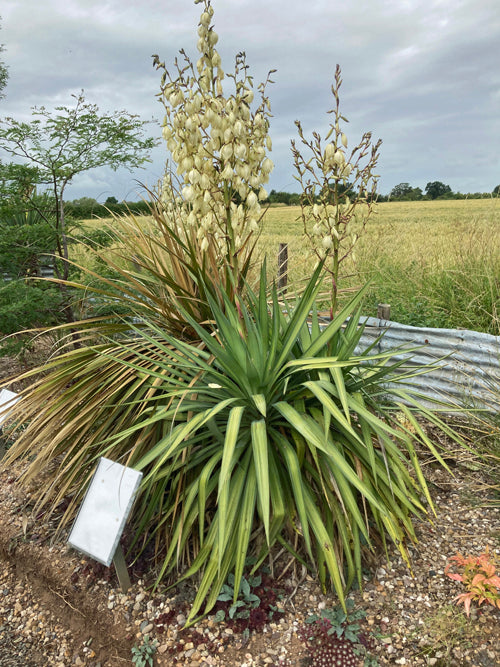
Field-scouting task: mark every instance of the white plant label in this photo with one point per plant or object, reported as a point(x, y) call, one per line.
point(104, 511)
point(6, 398)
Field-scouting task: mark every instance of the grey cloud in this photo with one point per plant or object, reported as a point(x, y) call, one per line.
point(423, 76)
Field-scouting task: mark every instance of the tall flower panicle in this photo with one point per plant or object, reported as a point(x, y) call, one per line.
point(339, 187)
point(219, 144)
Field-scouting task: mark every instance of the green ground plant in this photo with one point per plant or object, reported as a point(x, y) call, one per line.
point(446, 630)
point(339, 622)
point(323, 632)
point(254, 426)
point(143, 655)
point(245, 602)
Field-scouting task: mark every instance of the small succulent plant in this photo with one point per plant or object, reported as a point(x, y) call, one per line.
point(334, 638)
point(334, 652)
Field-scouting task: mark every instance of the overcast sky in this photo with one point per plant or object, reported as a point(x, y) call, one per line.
point(423, 75)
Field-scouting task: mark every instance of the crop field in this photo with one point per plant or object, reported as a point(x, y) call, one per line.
point(437, 263)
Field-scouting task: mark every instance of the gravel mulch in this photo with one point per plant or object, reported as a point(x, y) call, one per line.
point(58, 608)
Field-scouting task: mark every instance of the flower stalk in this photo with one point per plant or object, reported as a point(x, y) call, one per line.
point(338, 191)
point(218, 144)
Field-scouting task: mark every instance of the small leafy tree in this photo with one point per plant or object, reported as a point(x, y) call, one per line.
point(339, 188)
point(71, 141)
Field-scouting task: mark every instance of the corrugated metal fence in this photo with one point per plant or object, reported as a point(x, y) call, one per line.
point(467, 362)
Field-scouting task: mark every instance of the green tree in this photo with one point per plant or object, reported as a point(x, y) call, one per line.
point(82, 208)
point(70, 141)
point(496, 190)
point(75, 139)
point(85, 201)
point(401, 190)
point(436, 189)
point(288, 198)
point(339, 190)
point(111, 200)
point(405, 192)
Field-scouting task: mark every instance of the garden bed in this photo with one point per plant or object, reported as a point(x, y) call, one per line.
point(60, 608)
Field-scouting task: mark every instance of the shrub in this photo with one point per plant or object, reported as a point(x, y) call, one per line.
point(22, 307)
point(478, 575)
point(270, 430)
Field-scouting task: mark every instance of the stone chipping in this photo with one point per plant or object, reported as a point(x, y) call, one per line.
point(55, 610)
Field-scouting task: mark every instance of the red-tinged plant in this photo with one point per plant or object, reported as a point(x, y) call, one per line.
point(479, 577)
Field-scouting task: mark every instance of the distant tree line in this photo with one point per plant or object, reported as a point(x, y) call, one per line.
point(434, 190)
point(341, 191)
point(288, 198)
point(86, 208)
point(401, 192)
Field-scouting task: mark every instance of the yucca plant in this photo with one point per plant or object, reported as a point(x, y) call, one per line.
point(271, 429)
point(252, 424)
point(207, 211)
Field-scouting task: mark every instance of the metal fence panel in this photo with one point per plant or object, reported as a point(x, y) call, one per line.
point(467, 362)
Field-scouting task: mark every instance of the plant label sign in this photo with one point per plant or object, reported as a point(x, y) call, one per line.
point(6, 398)
point(104, 511)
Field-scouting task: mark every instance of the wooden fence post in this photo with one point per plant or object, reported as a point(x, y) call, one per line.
point(384, 311)
point(283, 267)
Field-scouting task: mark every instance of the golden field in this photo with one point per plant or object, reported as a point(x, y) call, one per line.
point(429, 233)
point(437, 263)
